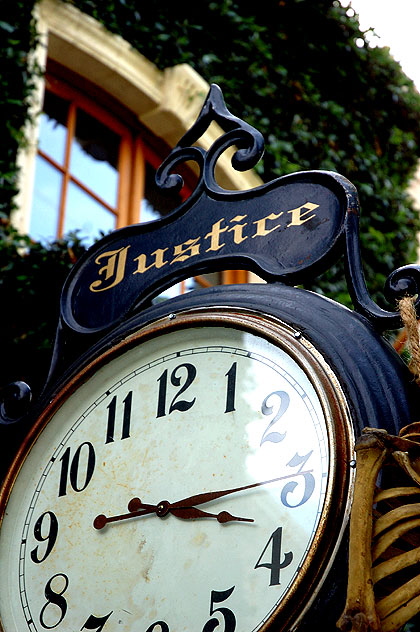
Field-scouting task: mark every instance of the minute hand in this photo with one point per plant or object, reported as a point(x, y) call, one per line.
point(205, 497)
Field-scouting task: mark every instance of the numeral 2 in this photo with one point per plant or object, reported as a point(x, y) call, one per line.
point(176, 378)
point(274, 437)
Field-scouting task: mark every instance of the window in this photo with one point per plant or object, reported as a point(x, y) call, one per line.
point(94, 172)
point(110, 118)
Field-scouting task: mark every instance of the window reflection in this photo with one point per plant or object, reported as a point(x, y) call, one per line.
point(95, 172)
point(45, 203)
point(94, 157)
point(86, 215)
point(53, 124)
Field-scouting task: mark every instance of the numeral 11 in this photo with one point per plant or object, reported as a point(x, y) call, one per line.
point(126, 420)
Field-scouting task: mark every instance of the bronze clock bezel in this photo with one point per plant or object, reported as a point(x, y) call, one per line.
point(338, 422)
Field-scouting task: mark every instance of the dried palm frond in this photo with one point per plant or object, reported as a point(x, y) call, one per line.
point(383, 590)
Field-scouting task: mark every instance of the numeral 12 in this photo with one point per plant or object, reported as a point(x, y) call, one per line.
point(181, 377)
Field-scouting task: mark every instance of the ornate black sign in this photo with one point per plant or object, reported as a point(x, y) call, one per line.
point(288, 231)
point(279, 231)
point(260, 384)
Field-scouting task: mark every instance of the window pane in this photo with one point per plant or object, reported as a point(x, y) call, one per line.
point(176, 290)
point(53, 121)
point(86, 215)
point(148, 212)
point(44, 215)
point(155, 204)
point(94, 157)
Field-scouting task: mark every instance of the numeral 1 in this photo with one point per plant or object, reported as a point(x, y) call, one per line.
point(275, 564)
point(112, 410)
point(231, 388)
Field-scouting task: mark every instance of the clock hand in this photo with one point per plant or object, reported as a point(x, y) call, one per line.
point(137, 508)
point(190, 513)
point(205, 497)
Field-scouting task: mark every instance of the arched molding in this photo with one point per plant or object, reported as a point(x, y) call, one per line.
point(166, 102)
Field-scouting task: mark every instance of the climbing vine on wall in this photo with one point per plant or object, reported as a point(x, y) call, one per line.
point(298, 70)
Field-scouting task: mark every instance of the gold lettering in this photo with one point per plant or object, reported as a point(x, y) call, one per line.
point(261, 224)
point(238, 229)
point(114, 269)
point(180, 253)
point(214, 235)
point(297, 215)
point(158, 262)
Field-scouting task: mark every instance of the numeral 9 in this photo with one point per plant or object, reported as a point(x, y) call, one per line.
point(48, 520)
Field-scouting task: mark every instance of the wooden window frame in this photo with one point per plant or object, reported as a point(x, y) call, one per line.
point(131, 160)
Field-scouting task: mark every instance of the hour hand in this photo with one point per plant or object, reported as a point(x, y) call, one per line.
point(137, 508)
point(189, 513)
point(185, 513)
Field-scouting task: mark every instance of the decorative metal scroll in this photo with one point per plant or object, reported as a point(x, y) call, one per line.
point(384, 553)
point(288, 230)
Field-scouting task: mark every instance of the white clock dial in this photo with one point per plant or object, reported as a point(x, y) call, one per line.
point(85, 543)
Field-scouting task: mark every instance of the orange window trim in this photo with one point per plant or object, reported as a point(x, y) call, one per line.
point(133, 155)
point(130, 157)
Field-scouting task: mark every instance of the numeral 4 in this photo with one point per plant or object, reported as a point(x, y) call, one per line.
point(275, 564)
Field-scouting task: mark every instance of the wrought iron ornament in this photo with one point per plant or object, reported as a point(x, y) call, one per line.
point(288, 230)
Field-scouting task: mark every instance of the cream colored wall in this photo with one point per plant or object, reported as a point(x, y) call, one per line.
point(166, 102)
point(414, 191)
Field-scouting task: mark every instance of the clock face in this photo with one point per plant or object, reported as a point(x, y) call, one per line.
point(184, 484)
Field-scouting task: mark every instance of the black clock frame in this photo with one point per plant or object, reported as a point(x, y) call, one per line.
point(104, 301)
point(375, 382)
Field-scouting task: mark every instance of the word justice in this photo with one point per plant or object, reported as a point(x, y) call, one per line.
point(114, 262)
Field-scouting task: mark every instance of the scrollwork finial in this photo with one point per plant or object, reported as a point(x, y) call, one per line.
point(248, 141)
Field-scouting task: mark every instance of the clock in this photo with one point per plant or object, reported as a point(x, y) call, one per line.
point(189, 465)
point(189, 477)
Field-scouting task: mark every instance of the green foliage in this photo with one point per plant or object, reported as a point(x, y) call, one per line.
point(298, 70)
point(31, 278)
point(17, 38)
